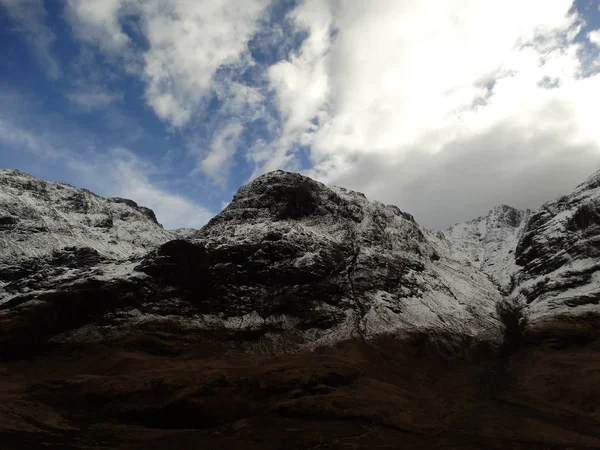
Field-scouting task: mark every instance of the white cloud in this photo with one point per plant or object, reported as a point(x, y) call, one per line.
point(521, 161)
point(240, 100)
point(15, 136)
point(185, 45)
point(301, 83)
point(402, 71)
point(240, 104)
point(30, 16)
point(187, 42)
point(98, 22)
point(594, 36)
point(389, 99)
point(223, 148)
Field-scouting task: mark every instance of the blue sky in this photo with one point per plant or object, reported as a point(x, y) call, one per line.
point(445, 109)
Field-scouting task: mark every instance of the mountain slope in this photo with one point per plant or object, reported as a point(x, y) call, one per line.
point(559, 255)
point(38, 217)
point(292, 247)
point(489, 242)
point(546, 261)
point(296, 263)
point(53, 234)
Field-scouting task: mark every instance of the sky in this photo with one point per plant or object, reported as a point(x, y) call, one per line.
point(443, 108)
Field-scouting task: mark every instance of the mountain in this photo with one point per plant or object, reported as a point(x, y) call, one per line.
point(301, 316)
point(559, 278)
point(293, 262)
point(53, 233)
point(489, 242)
point(545, 261)
point(290, 254)
point(38, 217)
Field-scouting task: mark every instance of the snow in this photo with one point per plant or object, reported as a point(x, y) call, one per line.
point(489, 243)
point(52, 216)
point(183, 233)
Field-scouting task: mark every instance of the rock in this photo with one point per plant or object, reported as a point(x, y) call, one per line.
point(559, 255)
point(489, 243)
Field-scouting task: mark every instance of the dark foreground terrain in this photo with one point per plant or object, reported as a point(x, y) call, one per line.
point(160, 389)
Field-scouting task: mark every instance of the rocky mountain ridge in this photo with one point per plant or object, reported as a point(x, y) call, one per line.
point(298, 254)
point(292, 262)
point(38, 217)
point(558, 255)
point(489, 242)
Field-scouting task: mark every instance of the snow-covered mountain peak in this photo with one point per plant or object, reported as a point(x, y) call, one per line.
point(504, 216)
point(488, 242)
point(591, 182)
point(290, 248)
point(298, 204)
point(38, 217)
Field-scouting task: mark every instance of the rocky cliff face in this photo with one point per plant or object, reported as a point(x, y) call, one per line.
point(559, 259)
point(546, 261)
point(38, 217)
point(53, 234)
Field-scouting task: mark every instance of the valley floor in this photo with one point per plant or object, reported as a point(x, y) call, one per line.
point(163, 390)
